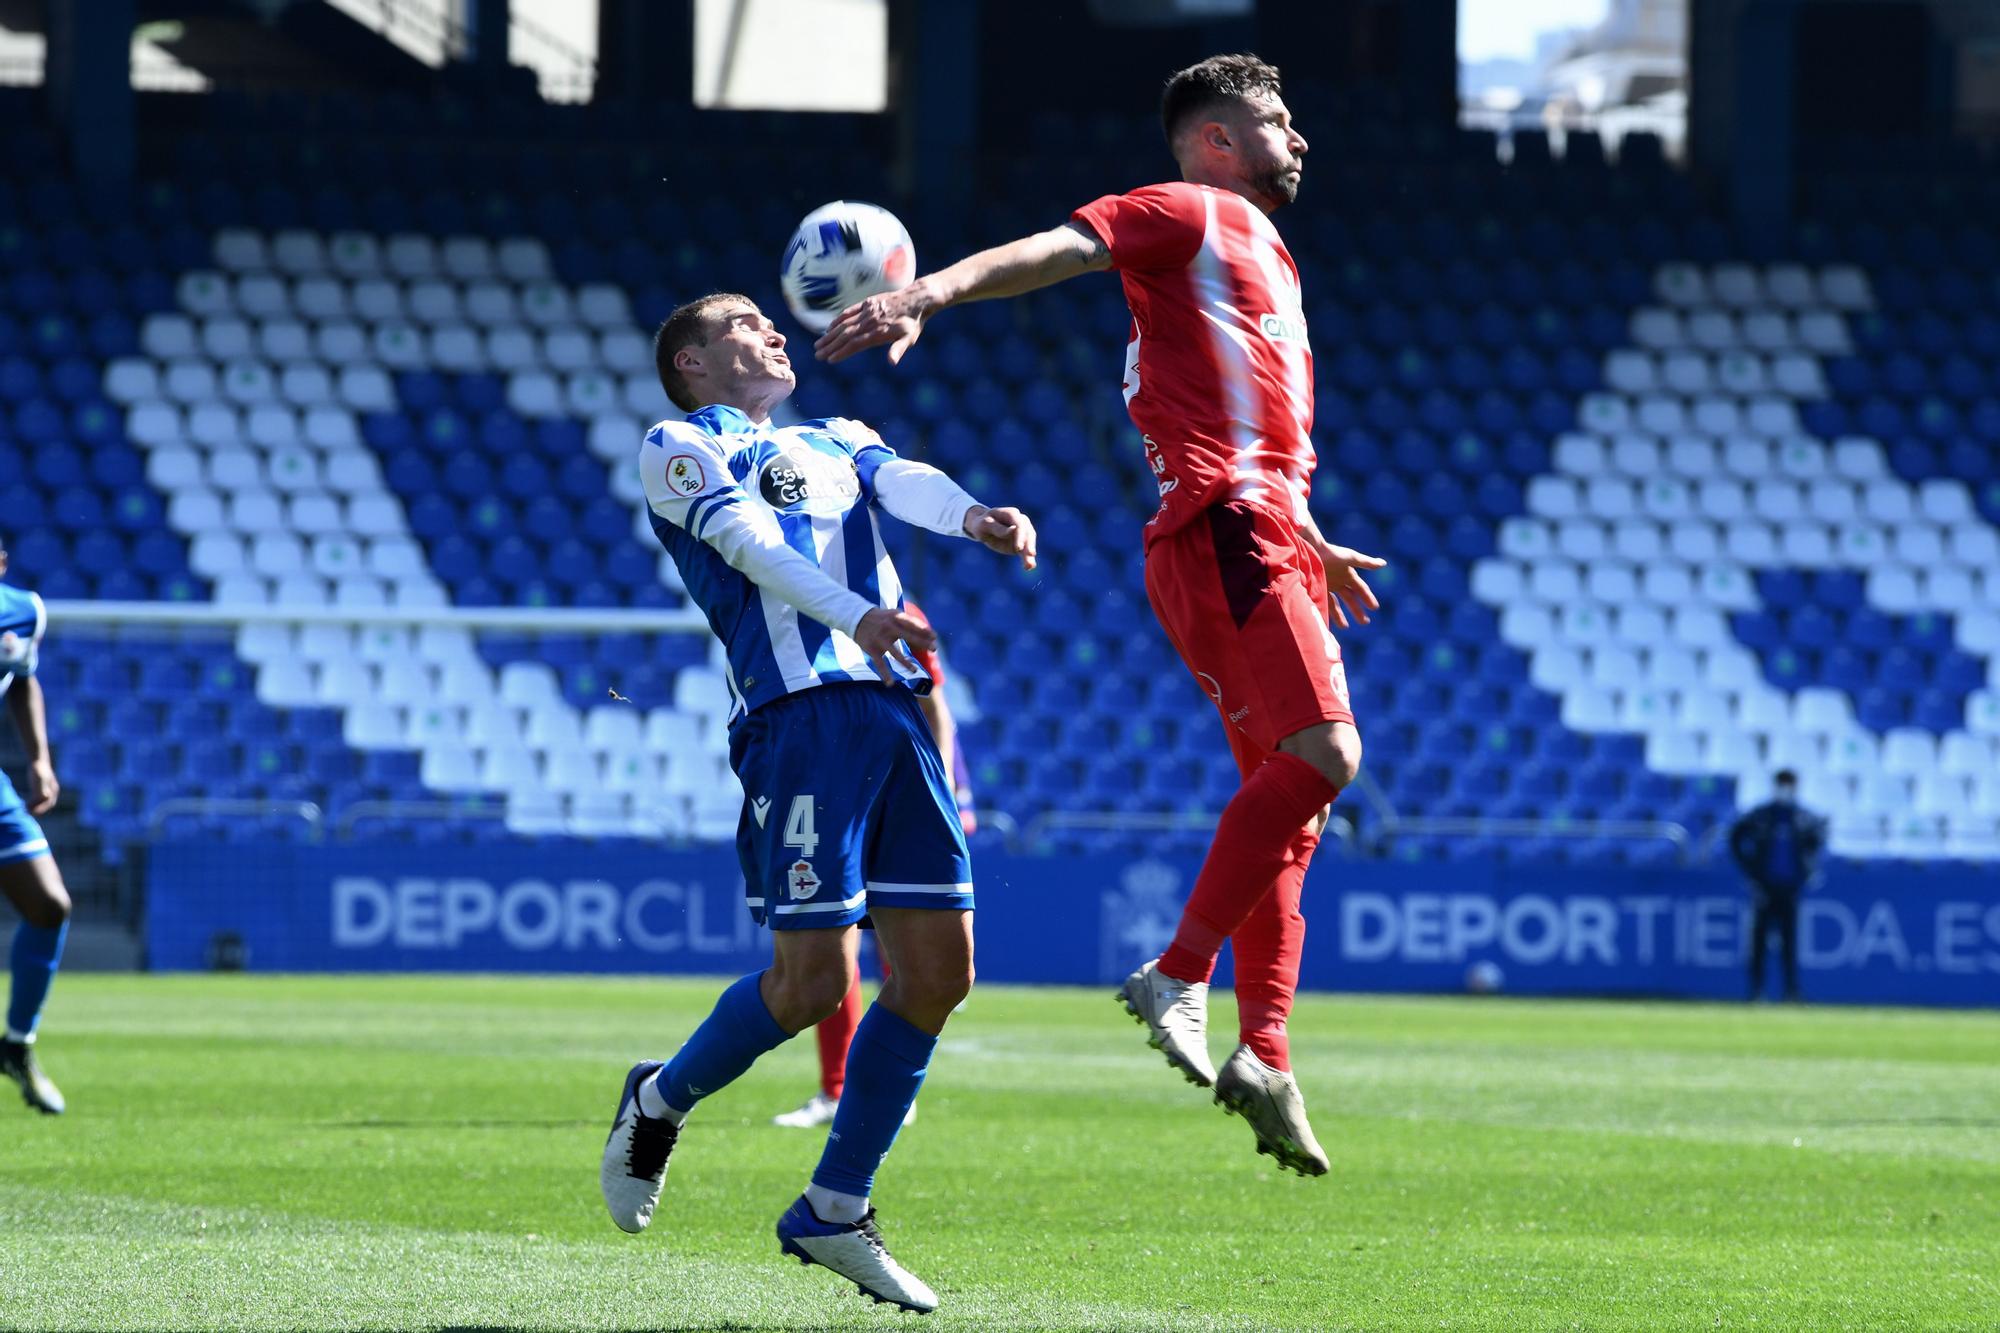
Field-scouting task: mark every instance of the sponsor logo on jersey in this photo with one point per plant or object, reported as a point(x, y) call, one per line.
point(1283, 328)
point(801, 881)
point(813, 482)
point(685, 476)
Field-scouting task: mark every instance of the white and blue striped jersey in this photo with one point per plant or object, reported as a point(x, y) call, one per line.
point(23, 619)
point(795, 506)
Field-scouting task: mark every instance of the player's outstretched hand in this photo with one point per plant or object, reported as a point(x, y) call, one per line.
point(896, 318)
point(1344, 584)
point(882, 635)
point(42, 788)
point(1008, 531)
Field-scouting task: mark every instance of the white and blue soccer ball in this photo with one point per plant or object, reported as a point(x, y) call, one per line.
point(841, 253)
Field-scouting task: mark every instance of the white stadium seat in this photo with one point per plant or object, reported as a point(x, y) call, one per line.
point(272, 426)
point(172, 469)
point(547, 306)
point(535, 395)
point(263, 296)
point(467, 258)
point(491, 304)
point(523, 260)
point(214, 554)
point(241, 250)
point(195, 509)
point(340, 344)
point(450, 768)
point(410, 256)
point(671, 731)
point(298, 252)
point(354, 254)
point(274, 554)
point(205, 292)
point(287, 683)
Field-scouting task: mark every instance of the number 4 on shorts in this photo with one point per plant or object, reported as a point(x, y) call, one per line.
point(799, 830)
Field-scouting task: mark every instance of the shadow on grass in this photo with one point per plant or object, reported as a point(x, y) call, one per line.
point(726, 1326)
point(1923, 1121)
point(451, 1124)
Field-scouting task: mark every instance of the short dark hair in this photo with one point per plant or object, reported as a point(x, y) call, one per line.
point(1216, 80)
point(1785, 778)
point(688, 325)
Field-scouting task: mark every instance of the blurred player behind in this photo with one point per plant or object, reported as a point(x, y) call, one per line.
point(28, 874)
point(1218, 379)
point(836, 1031)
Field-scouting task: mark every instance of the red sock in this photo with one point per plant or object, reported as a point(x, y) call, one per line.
point(834, 1034)
point(1268, 946)
point(1252, 843)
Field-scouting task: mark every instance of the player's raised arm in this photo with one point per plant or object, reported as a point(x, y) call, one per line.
point(897, 318)
point(925, 497)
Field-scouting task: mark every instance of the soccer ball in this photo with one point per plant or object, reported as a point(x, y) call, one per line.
point(841, 253)
point(1485, 978)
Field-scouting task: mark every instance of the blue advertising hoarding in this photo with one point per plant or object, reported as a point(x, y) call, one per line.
point(1870, 935)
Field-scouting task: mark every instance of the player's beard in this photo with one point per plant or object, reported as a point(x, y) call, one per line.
point(1280, 185)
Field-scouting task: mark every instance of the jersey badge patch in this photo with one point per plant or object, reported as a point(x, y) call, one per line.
point(684, 474)
point(801, 881)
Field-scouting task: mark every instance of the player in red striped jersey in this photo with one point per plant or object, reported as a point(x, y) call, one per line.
point(835, 1033)
point(1218, 378)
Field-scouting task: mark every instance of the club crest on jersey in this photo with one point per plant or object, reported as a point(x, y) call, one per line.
point(814, 483)
point(801, 881)
point(685, 476)
point(1282, 328)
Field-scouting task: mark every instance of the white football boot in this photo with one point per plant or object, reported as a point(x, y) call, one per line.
point(818, 1110)
point(1269, 1099)
point(635, 1156)
point(1175, 1014)
point(856, 1252)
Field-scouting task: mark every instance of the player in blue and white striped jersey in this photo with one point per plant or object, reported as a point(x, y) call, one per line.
point(28, 875)
point(849, 815)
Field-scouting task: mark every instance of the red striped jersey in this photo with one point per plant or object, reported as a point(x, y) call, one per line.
point(1218, 372)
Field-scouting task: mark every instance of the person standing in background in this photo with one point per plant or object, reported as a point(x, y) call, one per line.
point(1778, 846)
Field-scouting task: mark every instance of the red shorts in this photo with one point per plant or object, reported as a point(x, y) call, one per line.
point(1243, 598)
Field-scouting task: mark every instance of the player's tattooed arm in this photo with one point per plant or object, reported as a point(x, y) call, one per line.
point(897, 318)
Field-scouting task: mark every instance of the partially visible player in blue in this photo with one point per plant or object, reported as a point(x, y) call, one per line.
point(848, 810)
point(28, 874)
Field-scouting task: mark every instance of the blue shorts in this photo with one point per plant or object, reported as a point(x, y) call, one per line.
point(20, 836)
point(846, 806)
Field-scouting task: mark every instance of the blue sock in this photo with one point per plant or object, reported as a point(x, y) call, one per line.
point(738, 1030)
point(885, 1070)
point(37, 950)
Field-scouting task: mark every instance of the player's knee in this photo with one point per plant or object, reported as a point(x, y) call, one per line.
point(938, 985)
point(1333, 749)
point(801, 998)
point(48, 907)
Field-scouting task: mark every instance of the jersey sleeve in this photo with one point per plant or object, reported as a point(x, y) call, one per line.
point(914, 492)
point(1156, 226)
point(868, 447)
point(31, 654)
point(687, 480)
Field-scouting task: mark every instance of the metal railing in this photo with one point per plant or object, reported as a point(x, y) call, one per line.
point(362, 812)
point(1617, 830)
point(1038, 829)
point(552, 620)
point(306, 811)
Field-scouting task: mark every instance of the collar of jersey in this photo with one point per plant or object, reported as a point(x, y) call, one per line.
point(721, 419)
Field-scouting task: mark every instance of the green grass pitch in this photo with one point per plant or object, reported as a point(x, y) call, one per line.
point(421, 1153)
